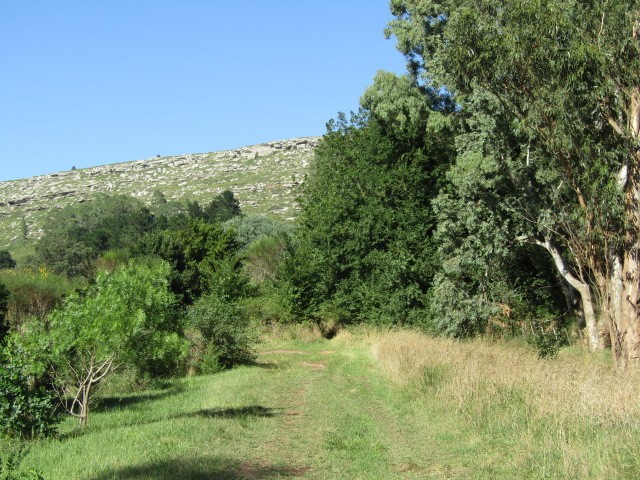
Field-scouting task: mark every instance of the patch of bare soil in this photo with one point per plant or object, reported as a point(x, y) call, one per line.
point(263, 470)
point(288, 352)
point(327, 352)
point(314, 366)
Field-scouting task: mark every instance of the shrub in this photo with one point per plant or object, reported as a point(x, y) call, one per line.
point(253, 227)
point(33, 293)
point(264, 257)
point(225, 333)
point(10, 460)
point(6, 261)
point(273, 305)
point(27, 410)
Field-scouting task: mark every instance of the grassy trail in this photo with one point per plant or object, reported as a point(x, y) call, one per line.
point(326, 410)
point(320, 410)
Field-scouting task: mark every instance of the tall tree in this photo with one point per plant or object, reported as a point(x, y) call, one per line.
point(366, 207)
point(566, 77)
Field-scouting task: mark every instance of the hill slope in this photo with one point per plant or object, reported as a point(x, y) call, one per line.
point(263, 177)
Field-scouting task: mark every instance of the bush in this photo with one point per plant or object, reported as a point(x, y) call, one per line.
point(253, 227)
point(33, 293)
point(273, 305)
point(545, 338)
point(26, 410)
point(264, 258)
point(221, 332)
point(6, 261)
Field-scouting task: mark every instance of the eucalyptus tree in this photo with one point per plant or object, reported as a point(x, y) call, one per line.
point(565, 78)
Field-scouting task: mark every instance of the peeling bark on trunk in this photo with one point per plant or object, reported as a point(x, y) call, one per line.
point(623, 294)
point(624, 322)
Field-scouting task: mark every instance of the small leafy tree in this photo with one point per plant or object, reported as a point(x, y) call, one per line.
point(126, 319)
point(222, 208)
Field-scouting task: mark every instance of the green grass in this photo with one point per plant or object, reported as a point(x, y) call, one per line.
point(325, 410)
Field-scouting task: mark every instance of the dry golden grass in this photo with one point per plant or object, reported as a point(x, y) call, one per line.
point(575, 383)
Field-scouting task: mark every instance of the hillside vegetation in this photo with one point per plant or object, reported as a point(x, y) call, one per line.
point(264, 178)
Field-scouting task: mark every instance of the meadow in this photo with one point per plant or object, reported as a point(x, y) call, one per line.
point(368, 404)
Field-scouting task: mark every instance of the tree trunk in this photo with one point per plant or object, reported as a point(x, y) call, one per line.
point(84, 405)
point(593, 336)
point(624, 321)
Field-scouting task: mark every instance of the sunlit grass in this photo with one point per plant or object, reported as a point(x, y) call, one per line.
point(372, 405)
point(573, 416)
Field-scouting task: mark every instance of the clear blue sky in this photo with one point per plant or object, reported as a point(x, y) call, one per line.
point(87, 83)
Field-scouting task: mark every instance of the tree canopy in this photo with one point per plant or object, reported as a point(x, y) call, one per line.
point(550, 93)
point(364, 249)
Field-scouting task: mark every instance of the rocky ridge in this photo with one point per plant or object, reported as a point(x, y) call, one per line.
point(264, 177)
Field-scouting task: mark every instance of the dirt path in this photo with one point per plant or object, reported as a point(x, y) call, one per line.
point(318, 410)
point(337, 418)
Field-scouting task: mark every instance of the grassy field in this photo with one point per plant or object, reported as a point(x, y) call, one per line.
point(372, 405)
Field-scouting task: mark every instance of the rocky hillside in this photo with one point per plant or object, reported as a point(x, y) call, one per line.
point(264, 178)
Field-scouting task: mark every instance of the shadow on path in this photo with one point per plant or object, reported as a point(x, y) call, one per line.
point(235, 412)
point(201, 469)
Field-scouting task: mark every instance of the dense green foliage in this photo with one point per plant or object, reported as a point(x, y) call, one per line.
point(27, 410)
point(33, 294)
point(76, 235)
point(549, 96)
point(201, 256)
point(249, 228)
point(6, 261)
point(126, 319)
point(365, 249)
point(220, 334)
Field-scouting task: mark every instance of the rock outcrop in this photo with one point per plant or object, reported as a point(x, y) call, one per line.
point(264, 178)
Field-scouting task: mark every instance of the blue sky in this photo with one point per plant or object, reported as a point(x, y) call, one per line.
point(87, 83)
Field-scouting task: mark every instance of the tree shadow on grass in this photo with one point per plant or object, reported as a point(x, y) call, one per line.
point(204, 468)
point(275, 365)
point(235, 412)
point(111, 402)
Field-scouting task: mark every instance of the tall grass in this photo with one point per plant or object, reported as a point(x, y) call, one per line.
point(573, 416)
